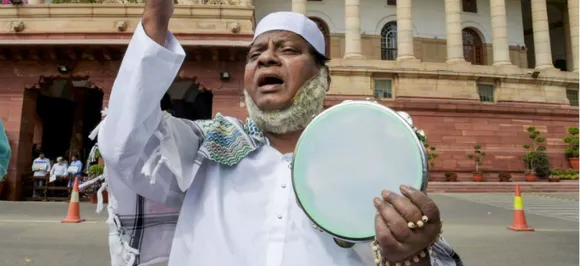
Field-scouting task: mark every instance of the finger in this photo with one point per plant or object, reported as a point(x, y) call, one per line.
point(396, 224)
point(404, 206)
point(384, 235)
point(424, 203)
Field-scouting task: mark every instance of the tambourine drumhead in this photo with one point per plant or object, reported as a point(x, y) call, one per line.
point(345, 157)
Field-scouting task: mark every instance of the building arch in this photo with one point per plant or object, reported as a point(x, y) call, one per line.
point(327, 19)
point(484, 32)
point(473, 46)
point(387, 19)
point(389, 47)
point(323, 27)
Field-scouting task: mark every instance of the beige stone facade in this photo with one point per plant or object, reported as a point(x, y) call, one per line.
point(424, 49)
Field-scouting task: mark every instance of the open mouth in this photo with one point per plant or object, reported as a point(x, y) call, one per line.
point(269, 80)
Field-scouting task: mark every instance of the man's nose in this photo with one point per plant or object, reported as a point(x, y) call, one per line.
point(268, 58)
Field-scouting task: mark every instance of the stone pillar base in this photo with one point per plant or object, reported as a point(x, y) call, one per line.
point(408, 58)
point(504, 64)
point(547, 68)
point(455, 61)
point(354, 56)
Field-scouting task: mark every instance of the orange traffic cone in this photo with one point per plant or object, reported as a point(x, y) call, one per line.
point(73, 215)
point(520, 223)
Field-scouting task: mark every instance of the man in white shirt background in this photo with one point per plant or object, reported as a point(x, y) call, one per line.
point(58, 172)
point(183, 194)
point(40, 168)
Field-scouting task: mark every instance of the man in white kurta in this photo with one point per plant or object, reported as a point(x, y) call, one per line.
point(40, 168)
point(205, 193)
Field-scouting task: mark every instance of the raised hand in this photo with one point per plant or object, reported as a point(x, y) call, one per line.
point(156, 19)
point(406, 225)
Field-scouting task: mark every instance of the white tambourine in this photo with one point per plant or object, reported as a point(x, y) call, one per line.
point(346, 156)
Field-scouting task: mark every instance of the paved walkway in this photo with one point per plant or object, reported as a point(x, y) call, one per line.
point(31, 233)
point(562, 196)
point(554, 205)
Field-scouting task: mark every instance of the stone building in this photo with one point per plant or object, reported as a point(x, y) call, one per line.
point(468, 71)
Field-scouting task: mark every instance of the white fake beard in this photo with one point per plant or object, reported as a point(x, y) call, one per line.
point(307, 104)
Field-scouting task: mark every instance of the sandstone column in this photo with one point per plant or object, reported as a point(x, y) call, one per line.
point(573, 21)
point(501, 51)
point(404, 30)
point(542, 34)
point(299, 6)
point(352, 46)
point(453, 28)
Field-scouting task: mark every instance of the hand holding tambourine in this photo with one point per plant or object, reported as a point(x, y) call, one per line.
point(344, 157)
point(406, 225)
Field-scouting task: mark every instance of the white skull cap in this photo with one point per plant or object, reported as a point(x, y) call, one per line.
point(293, 22)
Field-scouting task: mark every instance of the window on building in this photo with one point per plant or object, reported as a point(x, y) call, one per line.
point(383, 88)
point(323, 27)
point(389, 41)
point(486, 93)
point(469, 6)
point(391, 2)
point(572, 96)
point(472, 47)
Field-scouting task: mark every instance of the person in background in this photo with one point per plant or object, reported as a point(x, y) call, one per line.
point(59, 171)
point(75, 169)
point(40, 167)
point(5, 152)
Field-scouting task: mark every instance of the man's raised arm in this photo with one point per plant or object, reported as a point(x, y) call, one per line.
point(151, 152)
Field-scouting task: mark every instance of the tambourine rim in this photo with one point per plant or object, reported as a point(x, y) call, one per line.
point(353, 102)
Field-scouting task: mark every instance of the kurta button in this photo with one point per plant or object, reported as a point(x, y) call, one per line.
point(279, 216)
point(283, 185)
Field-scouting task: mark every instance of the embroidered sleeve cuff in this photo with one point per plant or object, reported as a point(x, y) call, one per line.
point(171, 52)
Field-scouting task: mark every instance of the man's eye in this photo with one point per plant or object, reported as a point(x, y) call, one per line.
point(289, 51)
point(253, 56)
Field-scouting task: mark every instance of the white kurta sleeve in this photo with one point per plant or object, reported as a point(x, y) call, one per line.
point(150, 151)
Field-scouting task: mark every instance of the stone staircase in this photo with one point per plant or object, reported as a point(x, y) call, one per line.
point(501, 187)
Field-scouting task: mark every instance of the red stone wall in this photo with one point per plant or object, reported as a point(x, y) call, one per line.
point(453, 126)
point(500, 136)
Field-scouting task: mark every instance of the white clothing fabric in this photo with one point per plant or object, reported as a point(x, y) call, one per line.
point(41, 163)
point(243, 213)
point(59, 169)
point(293, 22)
